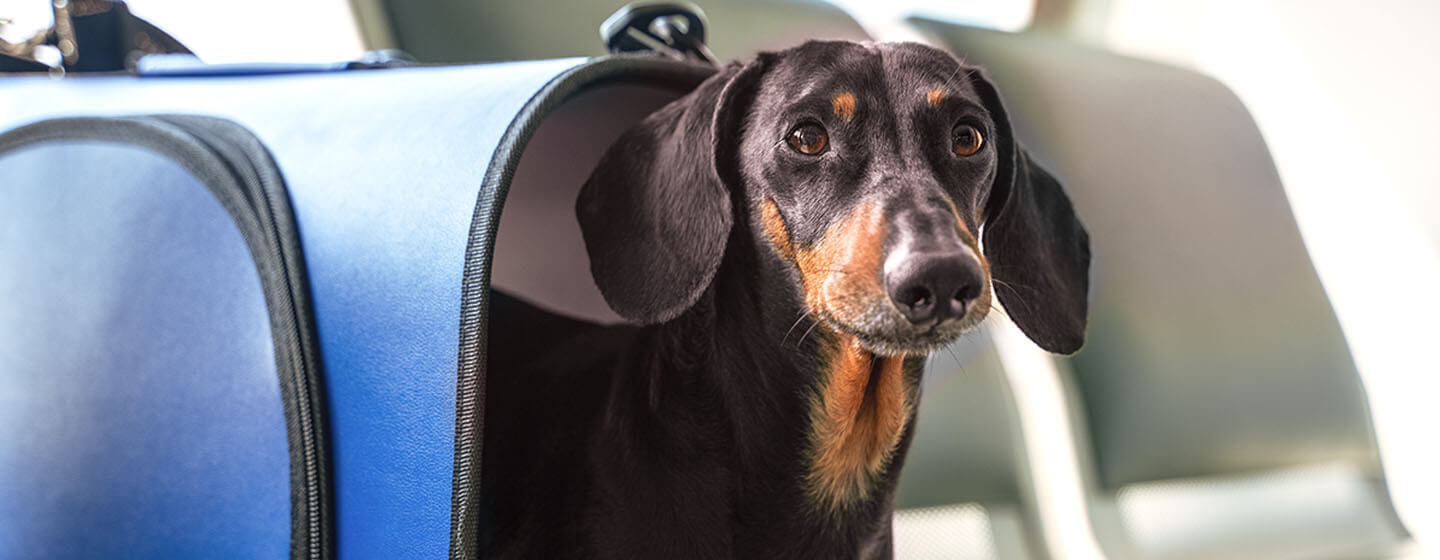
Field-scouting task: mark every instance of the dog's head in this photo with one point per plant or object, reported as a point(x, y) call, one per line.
point(885, 175)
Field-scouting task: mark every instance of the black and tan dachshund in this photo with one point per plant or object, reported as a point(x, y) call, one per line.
point(792, 238)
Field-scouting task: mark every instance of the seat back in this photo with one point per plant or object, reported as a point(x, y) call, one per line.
point(965, 491)
point(1224, 415)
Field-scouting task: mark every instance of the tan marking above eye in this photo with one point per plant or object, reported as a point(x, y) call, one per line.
point(844, 105)
point(935, 96)
point(967, 140)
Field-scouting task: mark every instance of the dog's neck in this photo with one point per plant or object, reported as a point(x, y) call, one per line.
point(816, 421)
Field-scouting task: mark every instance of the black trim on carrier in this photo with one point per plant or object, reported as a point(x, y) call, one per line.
point(474, 296)
point(243, 176)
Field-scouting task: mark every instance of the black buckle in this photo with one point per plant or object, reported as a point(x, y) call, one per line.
point(675, 30)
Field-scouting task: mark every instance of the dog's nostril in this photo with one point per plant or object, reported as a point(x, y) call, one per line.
point(963, 296)
point(915, 297)
point(967, 292)
point(916, 302)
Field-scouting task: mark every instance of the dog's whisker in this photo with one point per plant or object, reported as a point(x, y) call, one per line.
point(1022, 301)
point(1014, 286)
point(1005, 283)
point(950, 81)
point(1002, 311)
point(802, 317)
point(807, 334)
point(958, 363)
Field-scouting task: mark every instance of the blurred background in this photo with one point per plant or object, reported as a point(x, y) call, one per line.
point(1342, 95)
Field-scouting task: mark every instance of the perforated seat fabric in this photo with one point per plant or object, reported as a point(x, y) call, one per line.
point(1214, 367)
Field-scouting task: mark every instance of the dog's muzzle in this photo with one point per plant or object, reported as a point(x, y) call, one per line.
point(933, 287)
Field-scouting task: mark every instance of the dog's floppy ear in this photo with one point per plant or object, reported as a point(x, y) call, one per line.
point(656, 211)
point(1039, 252)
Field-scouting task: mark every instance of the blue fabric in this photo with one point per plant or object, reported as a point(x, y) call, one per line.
point(188, 65)
point(140, 413)
point(384, 168)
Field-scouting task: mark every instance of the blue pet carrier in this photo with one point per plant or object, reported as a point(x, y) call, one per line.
point(244, 310)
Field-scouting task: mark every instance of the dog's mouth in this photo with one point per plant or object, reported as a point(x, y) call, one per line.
point(865, 397)
point(881, 329)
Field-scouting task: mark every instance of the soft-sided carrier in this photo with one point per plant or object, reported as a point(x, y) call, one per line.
point(150, 263)
point(242, 314)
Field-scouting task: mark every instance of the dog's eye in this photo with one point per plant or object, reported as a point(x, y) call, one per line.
point(967, 140)
point(809, 139)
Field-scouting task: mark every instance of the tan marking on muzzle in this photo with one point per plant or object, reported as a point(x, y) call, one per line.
point(935, 96)
point(982, 304)
point(856, 420)
point(775, 228)
point(862, 404)
point(964, 231)
point(841, 272)
point(844, 105)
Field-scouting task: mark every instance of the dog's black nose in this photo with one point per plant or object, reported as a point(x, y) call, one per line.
point(934, 286)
